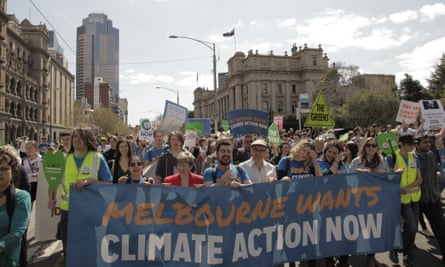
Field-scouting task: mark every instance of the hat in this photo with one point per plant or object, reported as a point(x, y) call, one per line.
point(407, 139)
point(259, 142)
point(103, 139)
point(52, 144)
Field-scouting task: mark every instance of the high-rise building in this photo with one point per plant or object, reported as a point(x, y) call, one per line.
point(97, 54)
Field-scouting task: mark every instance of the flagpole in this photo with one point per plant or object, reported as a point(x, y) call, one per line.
point(234, 40)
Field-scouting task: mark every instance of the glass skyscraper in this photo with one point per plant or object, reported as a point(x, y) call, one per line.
point(97, 54)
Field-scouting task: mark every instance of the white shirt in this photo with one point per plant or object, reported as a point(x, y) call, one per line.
point(259, 175)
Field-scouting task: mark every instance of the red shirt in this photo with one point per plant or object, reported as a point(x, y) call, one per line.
point(175, 179)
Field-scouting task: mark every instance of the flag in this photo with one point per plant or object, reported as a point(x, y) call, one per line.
point(230, 33)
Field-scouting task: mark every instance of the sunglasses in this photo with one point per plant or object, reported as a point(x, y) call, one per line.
point(370, 145)
point(134, 164)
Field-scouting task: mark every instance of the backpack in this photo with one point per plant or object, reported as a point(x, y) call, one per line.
point(238, 168)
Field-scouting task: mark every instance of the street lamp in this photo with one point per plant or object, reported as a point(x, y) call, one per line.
point(211, 46)
point(172, 90)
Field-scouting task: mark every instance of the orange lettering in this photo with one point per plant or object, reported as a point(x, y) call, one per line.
point(343, 198)
point(327, 201)
point(258, 211)
point(241, 213)
point(207, 215)
point(113, 211)
point(223, 222)
point(277, 208)
point(158, 215)
point(183, 215)
point(142, 211)
point(371, 192)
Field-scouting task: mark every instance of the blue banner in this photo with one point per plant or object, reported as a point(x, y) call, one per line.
point(256, 225)
point(248, 121)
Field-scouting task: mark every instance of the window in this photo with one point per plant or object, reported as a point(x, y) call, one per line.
point(265, 106)
point(280, 107)
point(294, 88)
point(265, 88)
point(280, 88)
point(314, 60)
point(294, 107)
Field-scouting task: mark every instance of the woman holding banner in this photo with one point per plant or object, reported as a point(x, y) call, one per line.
point(84, 166)
point(185, 177)
point(369, 160)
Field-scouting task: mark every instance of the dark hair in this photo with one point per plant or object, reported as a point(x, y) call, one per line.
point(87, 136)
point(353, 147)
point(330, 144)
point(222, 142)
point(177, 134)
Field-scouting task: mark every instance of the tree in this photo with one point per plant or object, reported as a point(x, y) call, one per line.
point(437, 81)
point(366, 108)
point(412, 90)
point(81, 116)
point(106, 121)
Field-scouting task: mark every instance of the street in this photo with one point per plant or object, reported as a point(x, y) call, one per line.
point(48, 254)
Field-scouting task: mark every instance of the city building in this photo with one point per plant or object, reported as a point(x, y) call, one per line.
point(97, 54)
point(98, 94)
point(268, 82)
point(36, 90)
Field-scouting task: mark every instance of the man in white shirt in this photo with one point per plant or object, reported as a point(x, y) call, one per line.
point(259, 170)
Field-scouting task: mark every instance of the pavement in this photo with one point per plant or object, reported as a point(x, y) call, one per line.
point(49, 253)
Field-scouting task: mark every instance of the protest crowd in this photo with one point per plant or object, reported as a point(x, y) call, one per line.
point(171, 159)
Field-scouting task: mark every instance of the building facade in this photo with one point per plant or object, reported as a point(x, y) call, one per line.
point(34, 88)
point(97, 54)
point(269, 82)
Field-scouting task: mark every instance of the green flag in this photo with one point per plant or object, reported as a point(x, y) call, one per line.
point(273, 134)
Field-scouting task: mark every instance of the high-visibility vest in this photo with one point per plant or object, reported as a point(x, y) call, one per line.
point(88, 170)
point(409, 175)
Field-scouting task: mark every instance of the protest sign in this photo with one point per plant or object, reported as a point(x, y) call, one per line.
point(248, 121)
point(433, 114)
point(256, 225)
point(319, 115)
point(407, 112)
point(146, 131)
point(174, 118)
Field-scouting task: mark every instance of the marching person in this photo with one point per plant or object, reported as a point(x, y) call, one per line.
point(84, 166)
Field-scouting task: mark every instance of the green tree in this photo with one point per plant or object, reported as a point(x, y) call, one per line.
point(105, 121)
point(436, 84)
point(366, 108)
point(412, 90)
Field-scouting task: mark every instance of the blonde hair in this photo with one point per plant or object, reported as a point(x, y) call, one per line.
point(297, 148)
point(185, 157)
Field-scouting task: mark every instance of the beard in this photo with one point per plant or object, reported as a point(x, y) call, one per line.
point(225, 160)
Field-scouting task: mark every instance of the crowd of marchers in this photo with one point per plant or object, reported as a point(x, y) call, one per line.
point(221, 160)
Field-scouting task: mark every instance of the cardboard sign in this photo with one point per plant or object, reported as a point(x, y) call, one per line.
point(319, 115)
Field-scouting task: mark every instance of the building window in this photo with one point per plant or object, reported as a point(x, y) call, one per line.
point(280, 107)
point(314, 60)
point(294, 88)
point(294, 107)
point(265, 88)
point(280, 88)
point(265, 106)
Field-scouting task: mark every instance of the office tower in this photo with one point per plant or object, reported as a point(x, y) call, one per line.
point(97, 54)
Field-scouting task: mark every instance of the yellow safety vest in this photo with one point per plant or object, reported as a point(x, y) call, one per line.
point(409, 175)
point(89, 169)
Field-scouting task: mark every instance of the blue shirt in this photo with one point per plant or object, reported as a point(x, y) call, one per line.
point(325, 166)
point(153, 152)
point(297, 169)
point(241, 176)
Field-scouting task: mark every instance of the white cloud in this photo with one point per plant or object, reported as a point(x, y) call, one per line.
point(420, 62)
point(336, 30)
point(288, 22)
point(404, 16)
point(429, 12)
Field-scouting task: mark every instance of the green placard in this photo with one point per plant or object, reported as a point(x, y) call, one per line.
point(53, 168)
point(388, 143)
point(273, 134)
point(225, 125)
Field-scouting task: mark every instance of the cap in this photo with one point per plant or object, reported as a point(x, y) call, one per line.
point(407, 139)
point(103, 139)
point(259, 142)
point(52, 144)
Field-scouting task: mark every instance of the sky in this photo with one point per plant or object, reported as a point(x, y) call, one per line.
point(380, 37)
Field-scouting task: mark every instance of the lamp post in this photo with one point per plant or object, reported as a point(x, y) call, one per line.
point(211, 46)
point(172, 90)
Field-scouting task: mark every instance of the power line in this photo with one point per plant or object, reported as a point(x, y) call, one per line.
point(50, 24)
